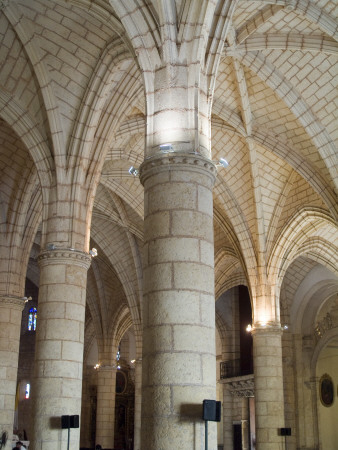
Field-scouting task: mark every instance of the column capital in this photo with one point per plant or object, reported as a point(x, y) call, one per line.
point(177, 161)
point(64, 256)
point(273, 328)
point(107, 368)
point(3, 4)
point(13, 301)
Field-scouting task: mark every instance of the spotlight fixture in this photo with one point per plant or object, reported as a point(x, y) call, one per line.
point(133, 171)
point(93, 252)
point(249, 328)
point(223, 162)
point(285, 327)
point(166, 147)
point(97, 366)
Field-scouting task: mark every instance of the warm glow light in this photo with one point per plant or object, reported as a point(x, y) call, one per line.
point(132, 361)
point(249, 328)
point(97, 366)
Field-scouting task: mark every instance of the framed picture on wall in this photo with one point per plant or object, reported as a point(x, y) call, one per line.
point(326, 390)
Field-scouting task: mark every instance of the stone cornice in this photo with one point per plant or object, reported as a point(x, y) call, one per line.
point(13, 301)
point(178, 161)
point(107, 368)
point(64, 256)
point(240, 386)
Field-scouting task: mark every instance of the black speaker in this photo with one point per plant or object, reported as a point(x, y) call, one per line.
point(65, 421)
point(74, 421)
point(70, 421)
point(212, 410)
point(285, 431)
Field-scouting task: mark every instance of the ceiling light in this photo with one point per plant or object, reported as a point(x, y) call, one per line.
point(93, 252)
point(166, 147)
point(133, 171)
point(223, 162)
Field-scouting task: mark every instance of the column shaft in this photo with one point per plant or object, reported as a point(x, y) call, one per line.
point(245, 423)
point(10, 322)
point(105, 412)
point(138, 401)
point(227, 419)
point(269, 395)
point(59, 347)
point(178, 362)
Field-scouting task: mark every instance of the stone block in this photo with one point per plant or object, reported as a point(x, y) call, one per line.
point(173, 249)
point(196, 277)
point(170, 307)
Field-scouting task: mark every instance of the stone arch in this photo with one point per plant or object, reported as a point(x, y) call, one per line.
point(300, 228)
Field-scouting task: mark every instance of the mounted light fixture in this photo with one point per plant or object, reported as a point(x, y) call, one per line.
point(222, 162)
point(166, 147)
point(93, 252)
point(249, 328)
point(133, 171)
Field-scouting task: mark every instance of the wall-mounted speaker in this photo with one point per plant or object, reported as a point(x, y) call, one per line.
point(285, 431)
point(212, 410)
point(70, 421)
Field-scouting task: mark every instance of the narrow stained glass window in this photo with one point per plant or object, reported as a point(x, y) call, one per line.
point(28, 390)
point(33, 313)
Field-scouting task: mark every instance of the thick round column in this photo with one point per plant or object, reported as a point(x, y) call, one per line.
point(59, 347)
point(138, 400)
point(269, 395)
point(178, 362)
point(105, 410)
point(10, 323)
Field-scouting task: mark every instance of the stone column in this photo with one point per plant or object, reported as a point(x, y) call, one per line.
point(178, 362)
point(227, 419)
point(269, 396)
point(105, 410)
point(138, 400)
point(245, 423)
point(59, 347)
point(11, 308)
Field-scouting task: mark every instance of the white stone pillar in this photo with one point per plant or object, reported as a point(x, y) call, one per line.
point(228, 437)
point(105, 409)
point(11, 308)
point(269, 395)
point(245, 423)
point(57, 385)
point(138, 401)
point(178, 362)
